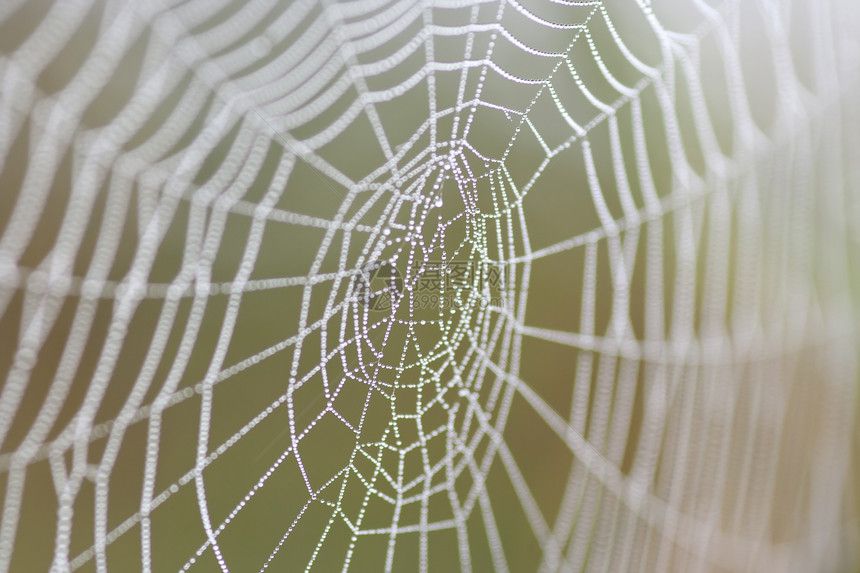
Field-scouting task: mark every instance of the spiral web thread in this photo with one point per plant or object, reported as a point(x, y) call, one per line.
point(704, 419)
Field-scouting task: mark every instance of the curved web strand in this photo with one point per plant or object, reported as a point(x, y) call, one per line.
point(428, 285)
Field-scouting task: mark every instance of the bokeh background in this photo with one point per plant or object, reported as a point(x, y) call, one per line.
point(719, 372)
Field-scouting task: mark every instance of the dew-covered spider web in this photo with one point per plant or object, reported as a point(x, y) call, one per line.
point(429, 285)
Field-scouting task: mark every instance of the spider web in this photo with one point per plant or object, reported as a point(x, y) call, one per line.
point(433, 285)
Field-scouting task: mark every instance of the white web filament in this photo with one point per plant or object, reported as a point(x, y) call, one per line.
point(435, 285)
